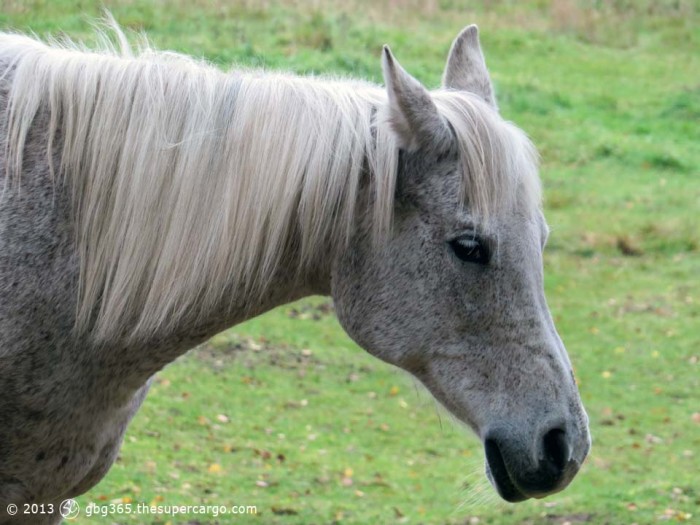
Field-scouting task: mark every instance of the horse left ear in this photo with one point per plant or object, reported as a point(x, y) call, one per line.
point(466, 67)
point(412, 113)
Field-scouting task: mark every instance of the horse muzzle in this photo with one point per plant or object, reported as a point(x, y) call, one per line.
point(518, 474)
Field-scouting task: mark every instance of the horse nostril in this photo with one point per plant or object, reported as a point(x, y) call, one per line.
point(499, 472)
point(556, 449)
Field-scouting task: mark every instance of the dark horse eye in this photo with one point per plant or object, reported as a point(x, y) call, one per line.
point(470, 248)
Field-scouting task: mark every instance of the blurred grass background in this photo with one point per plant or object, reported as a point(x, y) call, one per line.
point(285, 413)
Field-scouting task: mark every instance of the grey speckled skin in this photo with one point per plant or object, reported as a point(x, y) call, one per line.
point(480, 337)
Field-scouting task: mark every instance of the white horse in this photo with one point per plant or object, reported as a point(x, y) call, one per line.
point(150, 201)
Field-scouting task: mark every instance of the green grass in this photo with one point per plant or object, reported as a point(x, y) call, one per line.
point(285, 413)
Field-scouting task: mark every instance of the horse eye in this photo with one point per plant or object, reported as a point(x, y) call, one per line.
point(470, 249)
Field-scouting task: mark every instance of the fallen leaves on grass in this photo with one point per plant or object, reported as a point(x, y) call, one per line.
point(672, 514)
point(378, 480)
point(215, 468)
point(313, 312)
point(653, 440)
point(346, 477)
point(609, 418)
point(628, 247)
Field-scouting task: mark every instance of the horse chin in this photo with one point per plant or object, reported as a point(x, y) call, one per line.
point(499, 477)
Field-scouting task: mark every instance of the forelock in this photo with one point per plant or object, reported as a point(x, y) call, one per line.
point(499, 164)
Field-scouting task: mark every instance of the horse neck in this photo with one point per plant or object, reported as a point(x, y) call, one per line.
point(122, 200)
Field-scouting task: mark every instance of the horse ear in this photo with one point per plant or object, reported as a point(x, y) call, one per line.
point(412, 113)
point(466, 67)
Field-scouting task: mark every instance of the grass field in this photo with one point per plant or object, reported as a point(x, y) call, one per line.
point(285, 413)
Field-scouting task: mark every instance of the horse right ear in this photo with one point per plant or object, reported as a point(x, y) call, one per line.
point(412, 113)
point(466, 67)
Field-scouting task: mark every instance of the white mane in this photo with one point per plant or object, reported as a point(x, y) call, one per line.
point(188, 181)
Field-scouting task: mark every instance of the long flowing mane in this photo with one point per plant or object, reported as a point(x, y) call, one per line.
point(188, 181)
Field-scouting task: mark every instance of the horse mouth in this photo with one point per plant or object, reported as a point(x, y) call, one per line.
point(497, 472)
